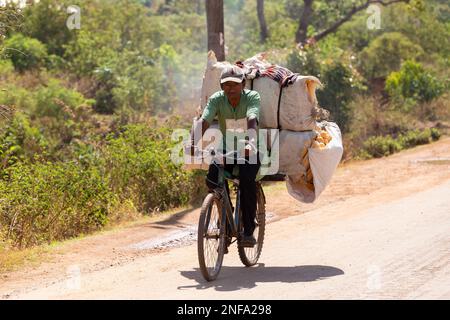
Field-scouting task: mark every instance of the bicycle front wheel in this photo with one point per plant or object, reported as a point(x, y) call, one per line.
point(250, 256)
point(211, 237)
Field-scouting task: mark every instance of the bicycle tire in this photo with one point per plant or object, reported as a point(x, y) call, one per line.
point(249, 256)
point(210, 258)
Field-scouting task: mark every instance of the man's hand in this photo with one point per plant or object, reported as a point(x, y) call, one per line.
point(199, 126)
point(248, 151)
point(250, 148)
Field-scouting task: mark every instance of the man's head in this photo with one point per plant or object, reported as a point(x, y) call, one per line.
point(232, 81)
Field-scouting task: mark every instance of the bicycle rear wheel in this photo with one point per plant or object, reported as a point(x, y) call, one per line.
point(211, 237)
point(250, 256)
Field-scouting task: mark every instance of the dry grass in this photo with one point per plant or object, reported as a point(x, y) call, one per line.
point(12, 259)
point(5, 112)
point(372, 118)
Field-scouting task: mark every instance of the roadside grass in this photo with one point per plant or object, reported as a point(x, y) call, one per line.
point(380, 146)
point(13, 259)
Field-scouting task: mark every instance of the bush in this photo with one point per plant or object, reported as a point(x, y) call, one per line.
point(147, 83)
point(386, 53)
point(50, 100)
point(140, 169)
point(413, 81)
point(26, 53)
point(414, 138)
point(104, 98)
point(304, 62)
point(57, 115)
point(6, 68)
point(44, 202)
point(381, 146)
point(19, 97)
point(45, 20)
point(435, 134)
point(338, 92)
point(20, 141)
point(369, 118)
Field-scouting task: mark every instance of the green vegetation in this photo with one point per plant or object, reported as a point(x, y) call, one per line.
point(26, 53)
point(380, 146)
point(43, 202)
point(87, 114)
point(413, 81)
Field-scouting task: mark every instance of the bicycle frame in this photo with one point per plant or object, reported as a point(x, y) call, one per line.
point(222, 193)
point(227, 225)
point(227, 213)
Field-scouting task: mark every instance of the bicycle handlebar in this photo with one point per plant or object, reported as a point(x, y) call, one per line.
point(229, 155)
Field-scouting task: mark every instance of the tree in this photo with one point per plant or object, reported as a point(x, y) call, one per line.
point(215, 27)
point(305, 19)
point(46, 21)
point(10, 20)
point(264, 33)
point(413, 81)
point(385, 54)
point(25, 53)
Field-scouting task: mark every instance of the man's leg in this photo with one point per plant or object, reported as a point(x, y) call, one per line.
point(247, 176)
point(212, 177)
point(211, 181)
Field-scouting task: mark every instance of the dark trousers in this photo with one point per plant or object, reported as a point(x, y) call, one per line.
point(247, 183)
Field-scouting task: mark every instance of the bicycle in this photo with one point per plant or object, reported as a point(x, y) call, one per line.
point(218, 224)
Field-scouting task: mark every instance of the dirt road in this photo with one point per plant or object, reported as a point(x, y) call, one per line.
point(381, 230)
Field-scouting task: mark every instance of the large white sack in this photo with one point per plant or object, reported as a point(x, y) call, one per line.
point(269, 91)
point(298, 105)
point(291, 148)
point(323, 164)
point(211, 78)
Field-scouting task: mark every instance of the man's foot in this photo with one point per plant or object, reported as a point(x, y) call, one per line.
point(248, 241)
point(224, 251)
point(227, 244)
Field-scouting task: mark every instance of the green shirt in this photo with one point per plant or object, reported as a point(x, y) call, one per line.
point(236, 117)
point(218, 105)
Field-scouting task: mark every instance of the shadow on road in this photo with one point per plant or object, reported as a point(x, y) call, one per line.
point(236, 278)
point(175, 217)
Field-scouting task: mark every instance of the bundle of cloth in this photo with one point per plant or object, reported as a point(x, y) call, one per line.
point(309, 148)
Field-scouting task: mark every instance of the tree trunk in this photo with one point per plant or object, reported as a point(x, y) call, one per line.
point(264, 33)
point(300, 36)
point(215, 25)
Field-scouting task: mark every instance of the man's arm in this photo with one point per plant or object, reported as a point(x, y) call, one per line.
point(253, 112)
point(196, 138)
point(252, 118)
point(252, 124)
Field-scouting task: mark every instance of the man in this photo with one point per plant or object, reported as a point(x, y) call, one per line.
point(236, 107)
